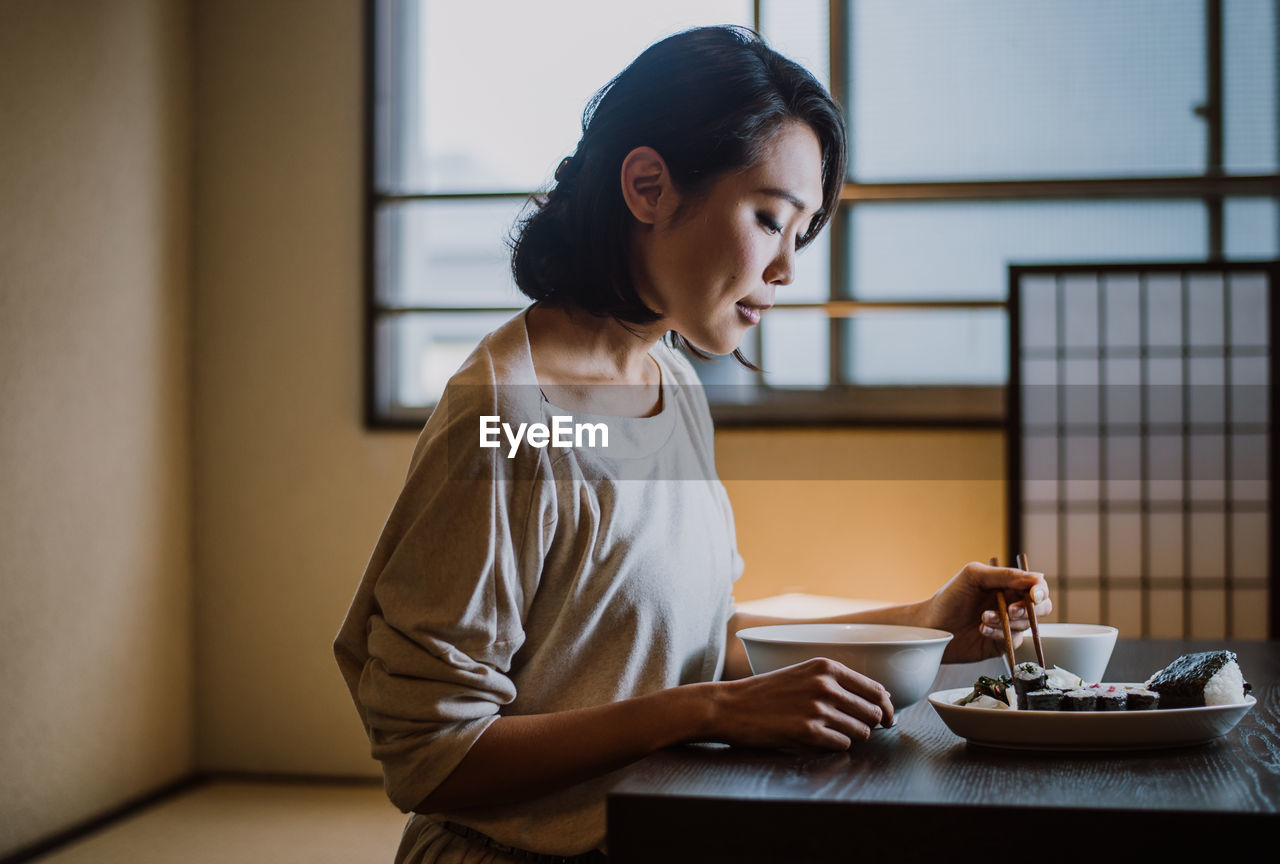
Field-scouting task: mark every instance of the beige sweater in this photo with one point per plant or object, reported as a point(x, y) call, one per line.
point(555, 579)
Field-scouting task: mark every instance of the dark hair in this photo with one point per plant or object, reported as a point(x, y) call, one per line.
point(707, 100)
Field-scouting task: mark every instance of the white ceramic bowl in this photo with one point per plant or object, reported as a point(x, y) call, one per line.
point(1084, 649)
point(904, 659)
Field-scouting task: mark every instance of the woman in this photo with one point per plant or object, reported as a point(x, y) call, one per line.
point(536, 617)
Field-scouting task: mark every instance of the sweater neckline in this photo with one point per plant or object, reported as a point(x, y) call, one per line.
point(664, 376)
point(630, 437)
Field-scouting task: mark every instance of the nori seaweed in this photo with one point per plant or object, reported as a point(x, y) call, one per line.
point(1142, 700)
point(1078, 700)
point(1107, 700)
point(1045, 700)
point(1181, 684)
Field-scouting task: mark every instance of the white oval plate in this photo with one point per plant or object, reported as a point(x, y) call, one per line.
point(1094, 730)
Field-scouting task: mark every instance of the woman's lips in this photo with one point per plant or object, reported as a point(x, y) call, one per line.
point(751, 313)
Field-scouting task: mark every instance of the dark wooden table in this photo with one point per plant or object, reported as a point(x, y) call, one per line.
point(916, 790)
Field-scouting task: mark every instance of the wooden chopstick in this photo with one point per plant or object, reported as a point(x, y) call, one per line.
point(1031, 613)
point(1004, 621)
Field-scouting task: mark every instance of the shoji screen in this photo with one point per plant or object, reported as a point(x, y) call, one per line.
point(1140, 458)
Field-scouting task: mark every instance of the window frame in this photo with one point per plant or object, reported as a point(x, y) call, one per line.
point(843, 404)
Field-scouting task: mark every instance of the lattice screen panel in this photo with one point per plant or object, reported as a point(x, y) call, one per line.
point(1140, 461)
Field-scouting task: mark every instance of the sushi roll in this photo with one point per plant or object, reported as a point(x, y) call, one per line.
point(1027, 677)
point(1110, 699)
point(1079, 700)
point(1044, 700)
point(1206, 678)
point(1142, 700)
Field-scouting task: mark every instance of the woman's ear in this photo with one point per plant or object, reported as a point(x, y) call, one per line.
point(647, 186)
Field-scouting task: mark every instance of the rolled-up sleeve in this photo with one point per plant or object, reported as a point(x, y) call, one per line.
point(427, 646)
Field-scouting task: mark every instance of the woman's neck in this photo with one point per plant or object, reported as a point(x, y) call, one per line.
point(593, 364)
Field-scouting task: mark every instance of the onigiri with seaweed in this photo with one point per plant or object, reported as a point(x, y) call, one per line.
point(1205, 678)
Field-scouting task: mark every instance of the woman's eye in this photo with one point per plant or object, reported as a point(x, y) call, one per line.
point(769, 224)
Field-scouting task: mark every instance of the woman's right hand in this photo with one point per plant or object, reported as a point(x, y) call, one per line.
point(817, 703)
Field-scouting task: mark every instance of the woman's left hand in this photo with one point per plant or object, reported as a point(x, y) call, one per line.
point(966, 607)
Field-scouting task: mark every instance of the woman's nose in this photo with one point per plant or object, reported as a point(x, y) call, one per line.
point(782, 268)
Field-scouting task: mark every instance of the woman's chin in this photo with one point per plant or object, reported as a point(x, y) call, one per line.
point(720, 347)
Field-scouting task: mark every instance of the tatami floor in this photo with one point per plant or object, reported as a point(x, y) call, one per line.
point(245, 822)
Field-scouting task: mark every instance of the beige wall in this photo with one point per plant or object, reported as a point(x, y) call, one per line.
point(291, 490)
point(95, 620)
point(875, 514)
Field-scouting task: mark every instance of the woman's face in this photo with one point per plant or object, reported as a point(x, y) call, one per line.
point(713, 268)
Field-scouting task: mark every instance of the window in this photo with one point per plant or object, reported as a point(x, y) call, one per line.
point(982, 135)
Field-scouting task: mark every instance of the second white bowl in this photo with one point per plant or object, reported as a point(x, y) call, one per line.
point(1084, 649)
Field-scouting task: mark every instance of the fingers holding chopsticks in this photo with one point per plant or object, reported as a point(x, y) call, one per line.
point(966, 607)
point(1025, 592)
point(1003, 608)
point(1020, 615)
point(1031, 614)
point(1020, 618)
